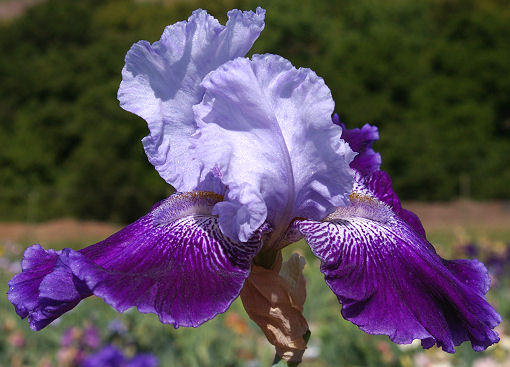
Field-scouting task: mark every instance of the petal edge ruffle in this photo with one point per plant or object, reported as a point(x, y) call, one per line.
point(161, 83)
point(390, 280)
point(46, 288)
point(360, 140)
point(266, 126)
point(174, 262)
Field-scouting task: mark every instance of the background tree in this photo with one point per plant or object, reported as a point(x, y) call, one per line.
point(433, 75)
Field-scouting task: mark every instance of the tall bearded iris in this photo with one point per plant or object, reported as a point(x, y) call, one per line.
point(258, 163)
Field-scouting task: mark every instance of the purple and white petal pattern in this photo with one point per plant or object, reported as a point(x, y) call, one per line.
point(267, 126)
point(369, 178)
point(378, 185)
point(161, 82)
point(390, 280)
point(360, 140)
point(173, 262)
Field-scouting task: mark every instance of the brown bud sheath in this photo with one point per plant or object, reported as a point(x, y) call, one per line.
point(275, 302)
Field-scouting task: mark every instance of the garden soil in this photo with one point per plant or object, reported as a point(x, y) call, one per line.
point(435, 216)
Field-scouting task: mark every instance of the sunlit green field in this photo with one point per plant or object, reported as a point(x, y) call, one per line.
point(233, 340)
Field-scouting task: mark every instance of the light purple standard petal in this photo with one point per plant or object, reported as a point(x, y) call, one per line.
point(360, 141)
point(390, 280)
point(174, 262)
point(161, 82)
point(267, 126)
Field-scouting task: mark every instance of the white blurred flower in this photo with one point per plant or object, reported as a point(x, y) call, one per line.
point(408, 347)
point(486, 362)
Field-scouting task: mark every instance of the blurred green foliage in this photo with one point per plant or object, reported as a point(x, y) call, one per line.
point(434, 75)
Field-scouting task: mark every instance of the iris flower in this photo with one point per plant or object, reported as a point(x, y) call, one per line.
point(111, 356)
point(258, 162)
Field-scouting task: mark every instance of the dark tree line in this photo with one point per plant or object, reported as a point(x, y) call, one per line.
point(433, 75)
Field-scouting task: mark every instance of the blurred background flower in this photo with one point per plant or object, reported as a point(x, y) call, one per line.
point(111, 356)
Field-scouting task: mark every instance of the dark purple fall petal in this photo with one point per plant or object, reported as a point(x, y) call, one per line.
point(174, 262)
point(378, 185)
point(367, 163)
point(59, 292)
point(23, 287)
point(360, 141)
point(390, 280)
point(46, 288)
point(413, 220)
point(183, 269)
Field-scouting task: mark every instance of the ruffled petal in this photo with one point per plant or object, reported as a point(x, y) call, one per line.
point(173, 262)
point(34, 293)
point(23, 287)
point(390, 280)
point(244, 211)
point(266, 125)
point(360, 141)
point(161, 82)
point(369, 177)
point(59, 292)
